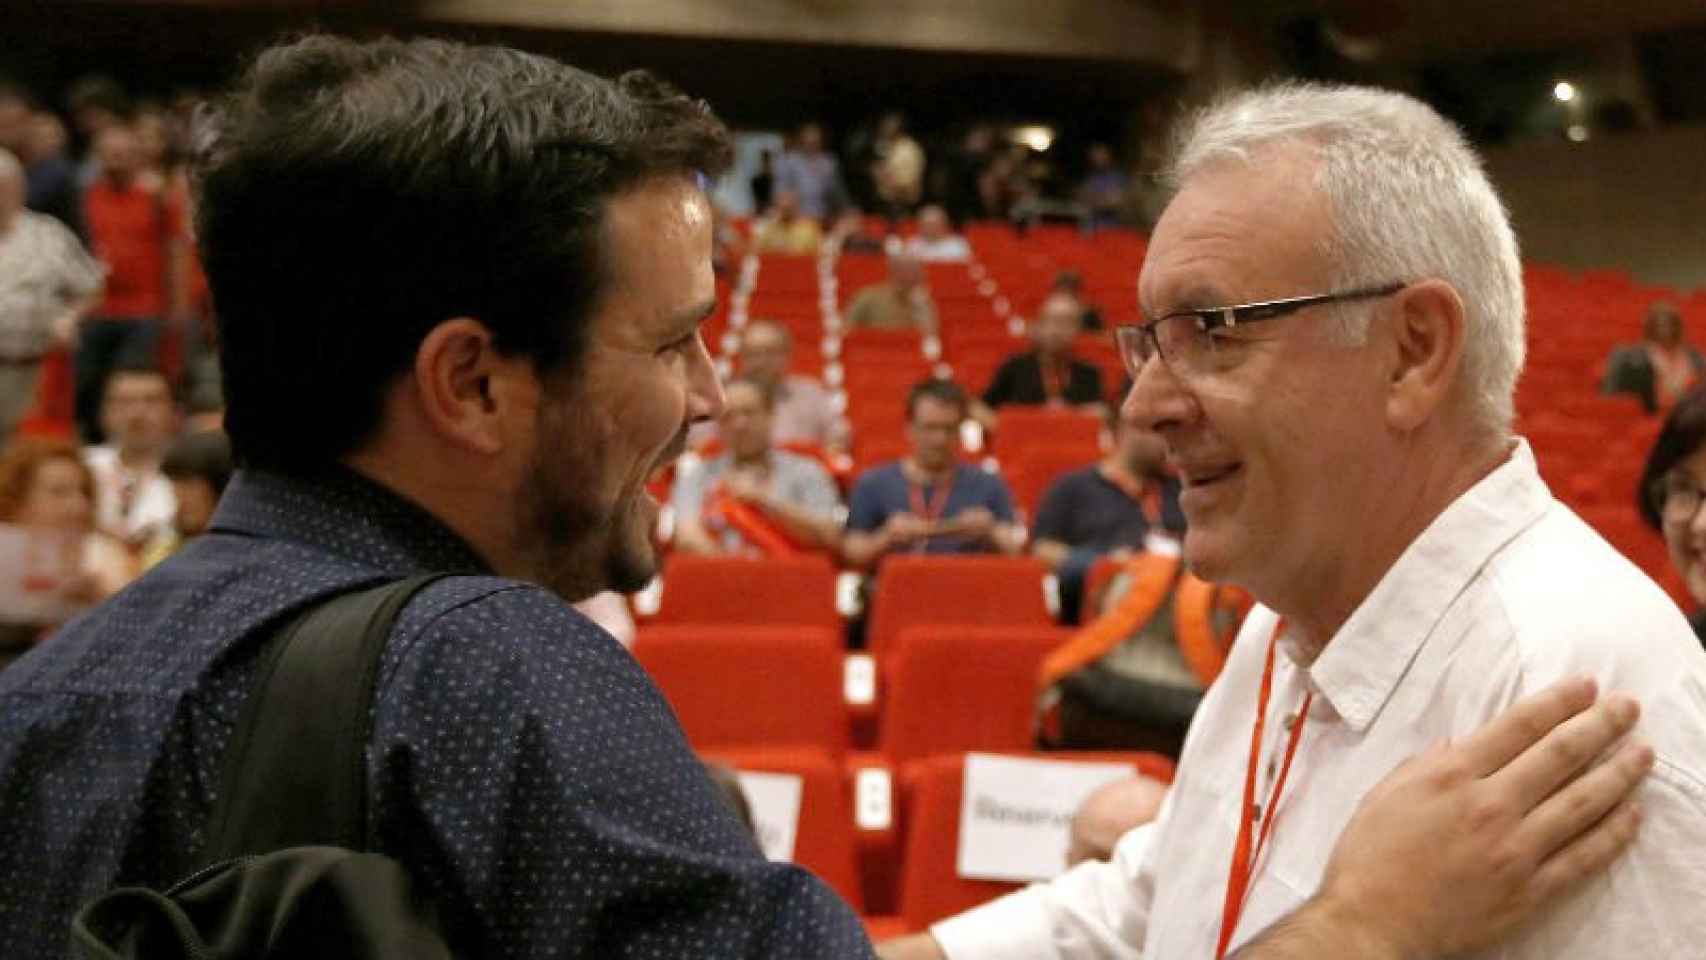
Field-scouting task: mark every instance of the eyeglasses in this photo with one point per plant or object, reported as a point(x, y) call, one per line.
point(1185, 340)
point(1679, 496)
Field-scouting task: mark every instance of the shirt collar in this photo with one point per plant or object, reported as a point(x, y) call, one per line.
point(1361, 666)
point(345, 513)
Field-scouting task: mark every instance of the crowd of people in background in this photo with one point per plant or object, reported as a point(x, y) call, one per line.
point(120, 455)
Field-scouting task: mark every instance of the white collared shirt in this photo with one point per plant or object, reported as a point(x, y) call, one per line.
point(152, 503)
point(1506, 592)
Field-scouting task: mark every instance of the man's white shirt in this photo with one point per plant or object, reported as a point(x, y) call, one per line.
point(1506, 592)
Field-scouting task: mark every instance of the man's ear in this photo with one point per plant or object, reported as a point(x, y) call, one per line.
point(1427, 348)
point(468, 392)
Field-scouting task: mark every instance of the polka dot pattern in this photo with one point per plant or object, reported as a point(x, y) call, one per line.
point(523, 767)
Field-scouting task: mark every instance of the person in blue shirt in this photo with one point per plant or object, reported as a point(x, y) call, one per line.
point(460, 296)
point(928, 501)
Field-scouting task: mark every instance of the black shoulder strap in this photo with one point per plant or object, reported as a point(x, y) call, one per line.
point(295, 771)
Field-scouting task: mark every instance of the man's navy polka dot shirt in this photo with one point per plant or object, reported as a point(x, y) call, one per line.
point(523, 768)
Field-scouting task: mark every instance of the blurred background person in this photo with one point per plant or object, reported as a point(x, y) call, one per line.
point(1108, 508)
point(849, 235)
point(936, 241)
point(1673, 485)
point(47, 281)
point(50, 173)
point(1110, 812)
point(47, 503)
point(1103, 190)
point(1659, 369)
point(928, 501)
point(1048, 374)
point(763, 182)
point(902, 302)
point(97, 104)
point(813, 174)
point(898, 170)
point(802, 411)
point(753, 498)
point(198, 466)
point(134, 500)
point(784, 230)
point(137, 230)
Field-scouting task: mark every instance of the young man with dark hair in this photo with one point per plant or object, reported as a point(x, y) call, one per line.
point(928, 501)
point(460, 295)
point(134, 502)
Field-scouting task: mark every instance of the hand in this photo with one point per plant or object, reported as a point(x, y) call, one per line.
point(744, 487)
point(1458, 846)
point(904, 527)
point(976, 523)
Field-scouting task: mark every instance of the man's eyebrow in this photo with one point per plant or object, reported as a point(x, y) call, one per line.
point(1194, 298)
point(687, 321)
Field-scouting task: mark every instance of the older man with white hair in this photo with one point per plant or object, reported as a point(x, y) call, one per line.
point(1333, 331)
point(47, 280)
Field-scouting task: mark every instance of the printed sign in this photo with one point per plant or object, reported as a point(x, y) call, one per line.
point(1016, 813)
point(37, 573)
point(775, 802)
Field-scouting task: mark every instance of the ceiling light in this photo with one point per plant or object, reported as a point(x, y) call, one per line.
point(1036, 136)
point(1563, 91)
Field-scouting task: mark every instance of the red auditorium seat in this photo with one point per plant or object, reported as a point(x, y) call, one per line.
point(930, 885)
point(1021, 430)
point(775, 591)
point(948, 689)
point(914, 590)
point(824, 840)
point(750, 686)
point(1031, 477)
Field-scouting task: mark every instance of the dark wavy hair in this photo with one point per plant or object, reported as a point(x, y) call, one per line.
point(352, 196)
point(1683, 433)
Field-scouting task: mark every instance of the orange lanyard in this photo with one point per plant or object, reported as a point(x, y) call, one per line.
point(1146, 495)
point(1243, 856)
point(929, 508)
point(1055, 374)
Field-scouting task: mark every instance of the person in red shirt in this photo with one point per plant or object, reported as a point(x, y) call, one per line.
point(137, 231)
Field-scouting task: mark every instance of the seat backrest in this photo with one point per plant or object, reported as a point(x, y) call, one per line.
point(1020, 430)
point(750, 686)
point(922, 590)
point(774, 591)
point(950, 689)
point(930, 885)
point(824, 839)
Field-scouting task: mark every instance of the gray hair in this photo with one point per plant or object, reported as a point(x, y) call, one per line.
point(9, 165)
point(1408, 199)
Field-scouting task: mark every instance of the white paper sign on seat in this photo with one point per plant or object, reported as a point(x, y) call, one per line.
point(1016, 811)
point(775, 802)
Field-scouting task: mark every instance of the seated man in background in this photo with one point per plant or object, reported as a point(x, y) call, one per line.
point(803, 411)
point(929, 502)
point(1107, 509)
point(754, 498)
point(1659, 369)
point(902, 302)
point(134, 500)
point(1047, 374)
point(936, 241)
point(785, 230)
point(1109, 813)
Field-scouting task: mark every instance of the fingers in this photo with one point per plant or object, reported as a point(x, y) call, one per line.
point(1588, 854)
point(1585, 803)
point(1525, 724)
point(1544, 767)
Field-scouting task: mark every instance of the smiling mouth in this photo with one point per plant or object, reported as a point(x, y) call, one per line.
point(1205, 477)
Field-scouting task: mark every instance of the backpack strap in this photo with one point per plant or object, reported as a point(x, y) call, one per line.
point(295, 771)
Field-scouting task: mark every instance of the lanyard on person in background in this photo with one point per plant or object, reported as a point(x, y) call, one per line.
point(1055, 374)
point(930, 509)
point(1244, 855)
